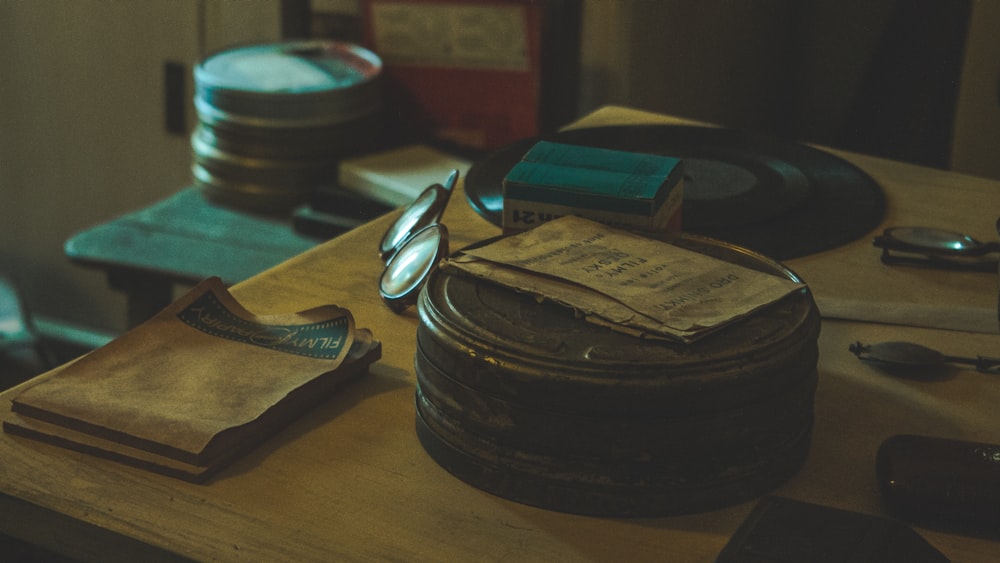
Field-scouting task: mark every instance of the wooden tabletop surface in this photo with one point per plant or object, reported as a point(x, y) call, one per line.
point(350, 481)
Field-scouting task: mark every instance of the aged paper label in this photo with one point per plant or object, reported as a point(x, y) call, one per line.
point(627, 279)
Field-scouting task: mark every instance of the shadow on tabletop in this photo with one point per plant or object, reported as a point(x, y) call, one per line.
point(380, 380)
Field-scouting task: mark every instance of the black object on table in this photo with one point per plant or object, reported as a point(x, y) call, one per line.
point(780, 198)
point(941, 482)
point(780, 530)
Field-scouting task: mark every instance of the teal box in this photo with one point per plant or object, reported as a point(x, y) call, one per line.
point(580, 156)
point(622, 189)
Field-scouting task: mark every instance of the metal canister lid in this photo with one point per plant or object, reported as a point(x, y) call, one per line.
point(301, 83)
point(541, 347)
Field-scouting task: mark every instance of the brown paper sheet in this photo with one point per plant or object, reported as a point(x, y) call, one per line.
point(625, 281)
point(200, 383)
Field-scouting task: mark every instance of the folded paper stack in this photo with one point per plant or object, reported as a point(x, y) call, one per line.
point(197, 386)
point(628, 282)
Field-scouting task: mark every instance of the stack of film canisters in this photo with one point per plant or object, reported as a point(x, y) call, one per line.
point(275, 119)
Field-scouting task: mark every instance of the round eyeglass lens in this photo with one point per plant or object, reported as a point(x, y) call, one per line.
point(935, 239)
point(424, 210)
point(409, 222)
point(412, 264)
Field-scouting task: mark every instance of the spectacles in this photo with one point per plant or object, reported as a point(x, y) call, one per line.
point(414, 245)
point(936, 248)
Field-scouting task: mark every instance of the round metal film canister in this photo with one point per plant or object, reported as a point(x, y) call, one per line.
point(275, 119)
point(523, 399)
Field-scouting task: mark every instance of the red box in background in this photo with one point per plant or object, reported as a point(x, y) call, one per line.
point(477, 74)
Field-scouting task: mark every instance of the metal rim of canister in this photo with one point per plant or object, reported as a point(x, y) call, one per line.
point(345, 49)
point(513, 365)
point(324, 142)
point(588, 486)
point(248, 195)
point(250, 186)
point(290, 172)
point(318, 116)
point(217, 100)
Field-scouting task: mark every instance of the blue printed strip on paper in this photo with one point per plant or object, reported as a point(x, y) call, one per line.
point(323, 340)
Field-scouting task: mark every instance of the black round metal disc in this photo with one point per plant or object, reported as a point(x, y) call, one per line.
point(779, 198)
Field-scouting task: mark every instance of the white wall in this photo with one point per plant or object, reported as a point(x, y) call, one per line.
point(976, 146)
point(82, 134)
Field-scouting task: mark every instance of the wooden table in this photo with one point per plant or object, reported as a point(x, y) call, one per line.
point(349, 480)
